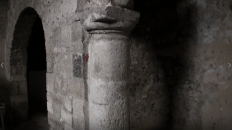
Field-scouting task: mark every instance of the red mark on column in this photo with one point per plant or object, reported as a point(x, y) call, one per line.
point(85, 57)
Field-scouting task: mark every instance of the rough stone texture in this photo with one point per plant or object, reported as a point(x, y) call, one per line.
point(179, 65)
point(66, 116)
point(3, 16)
point(4, 90)
point(50, 107)
point(179, 55)
point(108, 63)
point(63, 36)
point(78, 115)
point(108, 66)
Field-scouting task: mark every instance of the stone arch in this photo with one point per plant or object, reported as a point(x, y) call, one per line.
point(18, 62)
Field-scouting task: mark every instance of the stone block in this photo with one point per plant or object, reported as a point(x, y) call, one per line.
point(56, 12)
point(101, 2)
point(77, 65)
point(14, 88)
point(78, 114)
point(49, 107)
point(51, 97)
point(66, 116)
point(76, 37)
point(20, 110)
point(125, 3)
point(17, 77)
point(57, 110)
point(80, 5)
point(19, 104)
point(55, 122)
point(66, 69)
point(77, 88)
point(68, 104)
point(18, 98)
point(56, 37)
point(69, 7)
point(60, 99)
point(23, 88)
point(65, 35)
point(67, 127)
point(50, 82)
point(58, 83)
point(50, 61)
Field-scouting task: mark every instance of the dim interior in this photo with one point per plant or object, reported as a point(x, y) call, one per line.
point(178, 77)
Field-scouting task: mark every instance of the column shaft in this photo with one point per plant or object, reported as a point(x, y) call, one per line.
point(107, 79)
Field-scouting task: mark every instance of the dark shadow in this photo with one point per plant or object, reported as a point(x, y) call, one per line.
point(36, 70)
point(28, 69)
point(166, 34)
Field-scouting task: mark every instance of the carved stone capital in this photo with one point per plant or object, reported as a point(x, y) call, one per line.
point(109, 19)
point(122, 3)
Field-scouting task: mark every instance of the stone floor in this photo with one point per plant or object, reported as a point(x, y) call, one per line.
point(37, 122)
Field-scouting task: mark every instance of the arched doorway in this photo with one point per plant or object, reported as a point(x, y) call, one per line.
point(28, 67)
point(36, 70)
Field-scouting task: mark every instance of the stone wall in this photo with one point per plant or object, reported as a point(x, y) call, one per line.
point(179, 55)
point(3, 15)
point(4, 94)
point(179, 65)
point(63, 40)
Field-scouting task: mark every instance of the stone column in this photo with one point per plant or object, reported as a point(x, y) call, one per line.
point(109, 24)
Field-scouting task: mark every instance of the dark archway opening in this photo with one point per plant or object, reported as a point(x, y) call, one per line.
point(36, 70)
point(28, 73)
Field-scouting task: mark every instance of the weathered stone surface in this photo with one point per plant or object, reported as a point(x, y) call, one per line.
point(77, 65)
point(109, 19)
point(50, 62)
point(66, 116)
point(108, 116)
point(78, 114)
point(108, 63)
point(68, 127)
point(50, 97)
point(23, 88)
point(50, 82)
point(58, 83)
point(69, 7)
point(76, 88)
point(80, 5)
point(21, 113)
point(50, 107)
point(19, 104)
point(14, 88)
point(125, 3)
point(179, 54)
point(57, 110)
point(106, 92)
point(55, 122)
point(19, 98)
point(60, 24)
point(101, 2)
point(76, 37)
point(65, 35)
point(113, 65)
point(107, 80)
point(68, 104)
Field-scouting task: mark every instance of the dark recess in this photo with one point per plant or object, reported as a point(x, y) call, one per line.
point(164, 30)
point(37, 63)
